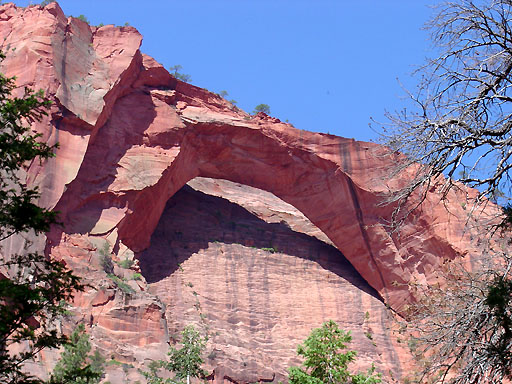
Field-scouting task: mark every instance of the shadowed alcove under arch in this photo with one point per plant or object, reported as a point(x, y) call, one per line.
point(317, 174)
point(260, 275)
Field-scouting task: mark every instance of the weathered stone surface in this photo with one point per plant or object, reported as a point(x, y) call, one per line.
point(84, 68)
point(147, 136)
point(131, 136)
point(261, 281)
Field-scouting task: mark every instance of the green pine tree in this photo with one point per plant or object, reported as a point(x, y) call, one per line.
point(265, 108)
point(76, 364)
point(32, 287)
point(176, 72)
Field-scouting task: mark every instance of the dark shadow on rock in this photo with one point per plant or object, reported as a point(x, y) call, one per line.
point(193, 221)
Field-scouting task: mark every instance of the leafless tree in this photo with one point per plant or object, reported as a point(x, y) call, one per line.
point(461, 122)
point(459, 129)
point(460, 332)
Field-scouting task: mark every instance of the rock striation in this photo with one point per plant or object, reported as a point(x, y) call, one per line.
point(131, 137)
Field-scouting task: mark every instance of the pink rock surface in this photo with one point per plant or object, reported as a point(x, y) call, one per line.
point(131, 136)
point(262, 282)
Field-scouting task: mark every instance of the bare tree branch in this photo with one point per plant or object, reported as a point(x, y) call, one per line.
point(462, 125)
point(460, 130)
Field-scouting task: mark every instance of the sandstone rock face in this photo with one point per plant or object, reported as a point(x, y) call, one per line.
point(263, 272)
point(131, 136)
point(262, 281)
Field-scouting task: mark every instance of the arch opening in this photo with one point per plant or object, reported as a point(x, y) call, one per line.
point(208, 213)
point(252, 267)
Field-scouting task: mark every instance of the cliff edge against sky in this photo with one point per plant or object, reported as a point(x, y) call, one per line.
point(131, 137)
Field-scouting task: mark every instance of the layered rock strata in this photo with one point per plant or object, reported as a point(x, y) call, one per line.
point(131, 136)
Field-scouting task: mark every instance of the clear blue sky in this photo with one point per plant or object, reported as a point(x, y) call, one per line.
point(326, 66)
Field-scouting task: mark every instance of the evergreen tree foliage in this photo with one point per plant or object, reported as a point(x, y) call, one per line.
point(76, 365)
point(44, 3)
point(265, 108)
point(32, 287)
point(176, 72)
point(18, 146)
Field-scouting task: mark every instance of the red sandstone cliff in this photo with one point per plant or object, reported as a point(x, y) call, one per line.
point(132, 136)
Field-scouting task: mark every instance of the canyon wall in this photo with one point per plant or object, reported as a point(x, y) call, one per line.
point(277, 230)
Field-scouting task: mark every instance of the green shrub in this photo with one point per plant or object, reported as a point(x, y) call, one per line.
point(121, 284)
point(106, 260)
point(114, 362)
point(83, 18)
point(126, 263)
point(265, 108)
point(175, 71)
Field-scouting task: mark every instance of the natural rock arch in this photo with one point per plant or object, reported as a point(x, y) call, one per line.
point(156, 140)
point(307, 179)
point(337, 183)
point(131, 136)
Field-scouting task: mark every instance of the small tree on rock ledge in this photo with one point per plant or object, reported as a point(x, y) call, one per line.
point(265, 108)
